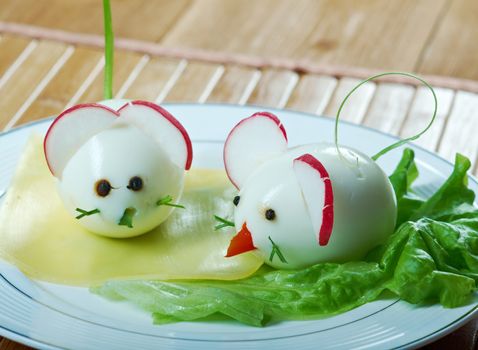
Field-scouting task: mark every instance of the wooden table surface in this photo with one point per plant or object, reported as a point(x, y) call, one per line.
point(247, 51)
point(426, 36)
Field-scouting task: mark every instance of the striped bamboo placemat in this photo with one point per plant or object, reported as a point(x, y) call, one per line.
point(43, 71)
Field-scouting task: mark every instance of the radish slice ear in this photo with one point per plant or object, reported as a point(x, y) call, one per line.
point(317, 191)
point(71, 129)
point(159, 124)
point(251, 142)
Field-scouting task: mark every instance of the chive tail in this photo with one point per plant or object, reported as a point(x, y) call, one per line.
point(398, 143)
point(109, 51)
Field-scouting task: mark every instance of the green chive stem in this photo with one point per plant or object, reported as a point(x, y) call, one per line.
point(222, 223)
point(84, 213)
point(276, 251)
point(127, 218)
point(167, 201)
point(398, 143)
point(109, 51)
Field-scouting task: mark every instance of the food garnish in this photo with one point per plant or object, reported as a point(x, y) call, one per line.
point(430, 258)
point(167, 201)
point(222, 223)
point(127, 218)
point(276, 251)
point(136, 145)
point(84, 213)
point(340, 231)
point(319, 202)
point(46, 243)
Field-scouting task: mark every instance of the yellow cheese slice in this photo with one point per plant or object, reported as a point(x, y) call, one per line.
point(46, 243)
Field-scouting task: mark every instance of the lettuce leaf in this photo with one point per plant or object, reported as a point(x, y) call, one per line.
point(402, 179)
point(431, 258)
point(404, 174)
point(454, 197)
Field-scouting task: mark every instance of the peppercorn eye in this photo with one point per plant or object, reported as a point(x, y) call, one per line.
point(270, 214)
point(135, 183)
point(103, 187)
point(236, 200)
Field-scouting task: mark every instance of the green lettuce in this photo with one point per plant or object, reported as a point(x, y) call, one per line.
point(431, 257)
point(402, 179)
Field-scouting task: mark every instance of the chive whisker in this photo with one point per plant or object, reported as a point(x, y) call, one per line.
point(220, 226)
point(222, 223)
point(84, 213)
point(276, 251)
point(167, 201)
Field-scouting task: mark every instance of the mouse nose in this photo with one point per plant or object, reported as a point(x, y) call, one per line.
point(241, 242)
point(127, 218)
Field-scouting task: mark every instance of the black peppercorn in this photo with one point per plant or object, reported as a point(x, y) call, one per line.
point(103, 187)
point(135, 183)
point(270, 214)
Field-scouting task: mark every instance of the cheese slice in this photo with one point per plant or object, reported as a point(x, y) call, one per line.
point(46, 243)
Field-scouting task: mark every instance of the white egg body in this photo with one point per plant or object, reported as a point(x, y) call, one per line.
point(364, 208)
point(116, 155)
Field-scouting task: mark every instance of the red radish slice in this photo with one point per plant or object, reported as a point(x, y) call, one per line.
point(73, 128)
point(76, 125)
point(162, 127)
point(241, 242)
point(317, 191)
point(250, 143)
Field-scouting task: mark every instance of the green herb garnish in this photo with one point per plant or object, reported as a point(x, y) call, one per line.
point(167, 201)
point(109, 51)
point(84, 213)
point(398, 143)
point(431, 258)
point(127, 218)
point(276, 251)
point(222, 223)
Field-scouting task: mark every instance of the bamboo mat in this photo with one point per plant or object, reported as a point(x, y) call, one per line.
point(41, 77)
point(44, 72)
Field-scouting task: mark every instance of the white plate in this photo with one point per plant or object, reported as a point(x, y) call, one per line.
point(51, 316)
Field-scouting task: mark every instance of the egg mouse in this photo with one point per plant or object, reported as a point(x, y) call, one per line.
point(120, 171)
point(304, 205)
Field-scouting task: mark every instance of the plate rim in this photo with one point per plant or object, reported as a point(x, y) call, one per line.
point(426, 339)
point(275, 109)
